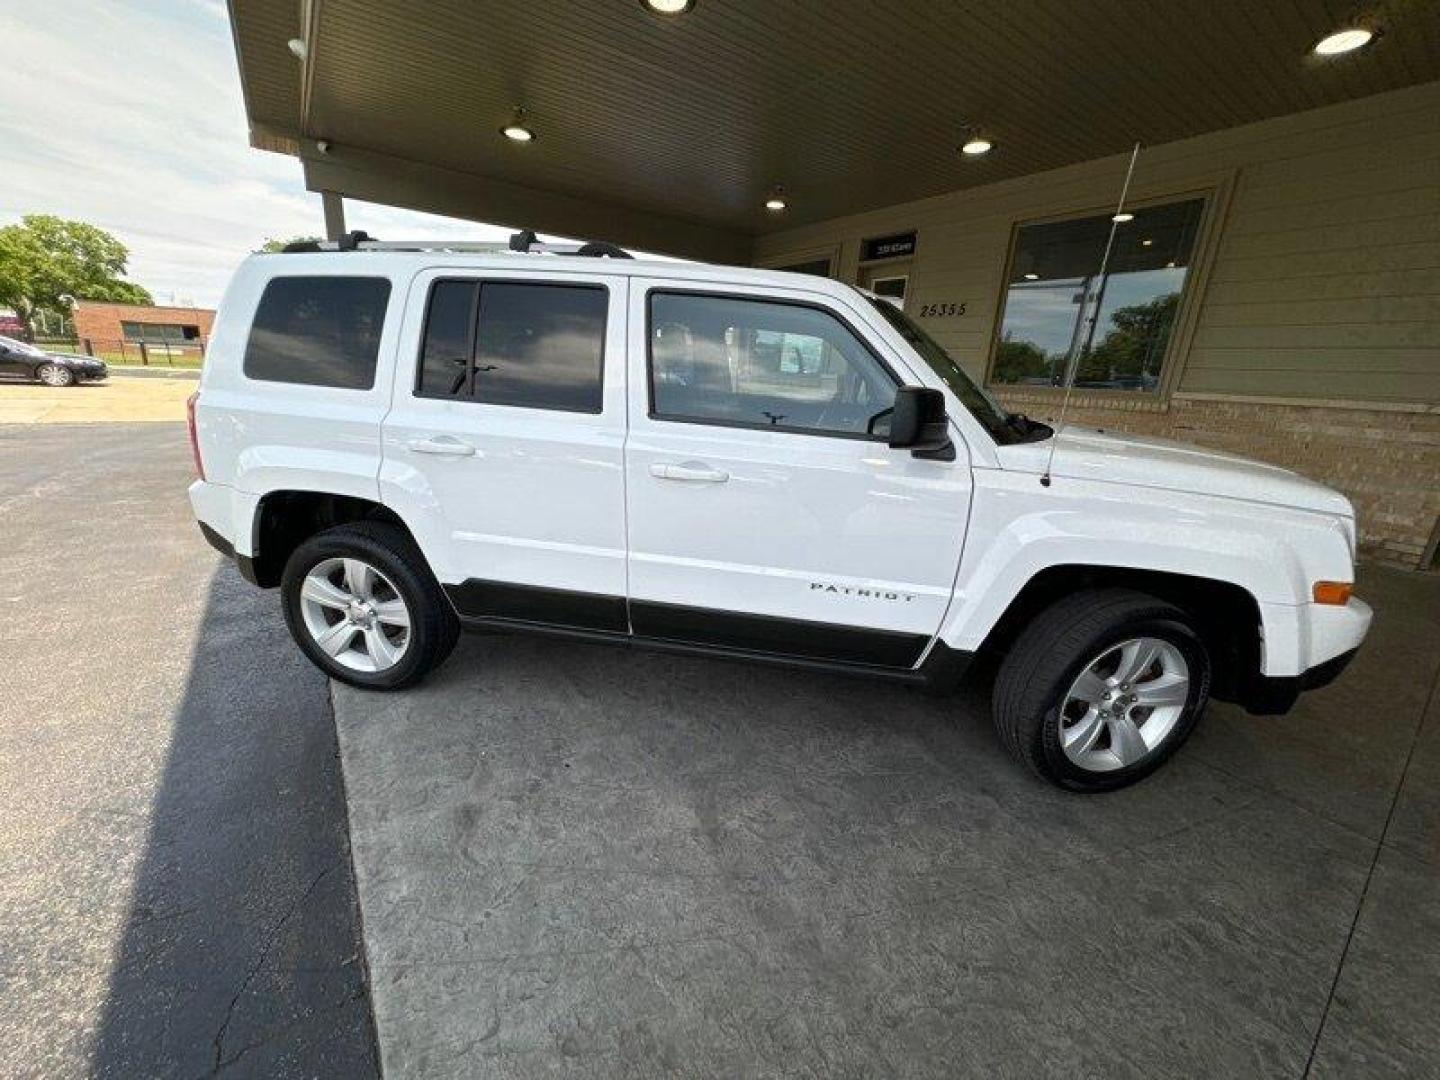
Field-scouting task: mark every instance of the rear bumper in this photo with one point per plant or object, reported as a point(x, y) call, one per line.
point(244, 563)
point(217, 510)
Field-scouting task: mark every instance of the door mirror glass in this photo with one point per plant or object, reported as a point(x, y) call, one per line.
point(918, 422)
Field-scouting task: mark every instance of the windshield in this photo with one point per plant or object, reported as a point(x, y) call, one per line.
point(1003, 427)
point(20, 346)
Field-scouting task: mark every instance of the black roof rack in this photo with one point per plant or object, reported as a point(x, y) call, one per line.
point(524, 242)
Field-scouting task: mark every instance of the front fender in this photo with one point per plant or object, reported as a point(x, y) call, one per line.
point(1020, 528)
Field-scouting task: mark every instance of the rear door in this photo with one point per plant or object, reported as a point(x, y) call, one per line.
point(14, 364)
point(766, 511)
point(503, 448)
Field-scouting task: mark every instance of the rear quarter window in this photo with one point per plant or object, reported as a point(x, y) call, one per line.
point(318, 331)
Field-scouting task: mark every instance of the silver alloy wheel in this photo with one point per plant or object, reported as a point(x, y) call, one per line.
point(54, 375)
point(355, 614)
point(1124, 704)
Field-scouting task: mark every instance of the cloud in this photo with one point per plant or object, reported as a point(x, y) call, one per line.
point(129, 116)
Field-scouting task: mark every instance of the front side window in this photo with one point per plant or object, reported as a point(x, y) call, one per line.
point(739, 362)
point(1115, 329)
point(318, 331)
point(1003, 427)
point(527, 346)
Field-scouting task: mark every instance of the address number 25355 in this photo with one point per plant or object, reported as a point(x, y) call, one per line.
point(937, 311)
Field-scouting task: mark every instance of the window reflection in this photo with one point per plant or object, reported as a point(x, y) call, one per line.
point(1117, 327)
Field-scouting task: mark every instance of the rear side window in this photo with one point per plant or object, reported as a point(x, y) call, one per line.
point(531, 346)
point(318, 331)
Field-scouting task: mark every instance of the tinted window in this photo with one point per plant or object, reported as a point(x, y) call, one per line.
point(445, 369)
point(321, 331)
point(1113, 332)
point(764, 364)
point(535, 346)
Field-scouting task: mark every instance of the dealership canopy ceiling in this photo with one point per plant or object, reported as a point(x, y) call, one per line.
point(672, 132)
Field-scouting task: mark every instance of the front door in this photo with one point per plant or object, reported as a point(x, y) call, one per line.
point(505, 440)
point(765, 511)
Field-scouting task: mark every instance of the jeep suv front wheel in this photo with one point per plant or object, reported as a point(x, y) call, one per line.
point(364, 607)
point(1102, 688)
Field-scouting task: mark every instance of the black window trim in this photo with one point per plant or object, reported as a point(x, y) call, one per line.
point(384, 325)
point(480, 281)
point(784, 429)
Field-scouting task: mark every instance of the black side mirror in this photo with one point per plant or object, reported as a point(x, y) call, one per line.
point(918, 423)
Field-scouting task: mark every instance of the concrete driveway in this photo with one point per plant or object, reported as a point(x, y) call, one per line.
point(145, 395)
point(582, 861)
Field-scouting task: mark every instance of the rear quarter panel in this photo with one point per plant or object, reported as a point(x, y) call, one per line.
point(258, 436)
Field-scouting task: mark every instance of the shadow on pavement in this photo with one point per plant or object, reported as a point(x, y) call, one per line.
point(241, 949)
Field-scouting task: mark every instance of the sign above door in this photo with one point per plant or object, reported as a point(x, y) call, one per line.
point(887, 247)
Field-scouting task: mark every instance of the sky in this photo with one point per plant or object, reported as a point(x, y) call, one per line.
point(127, 114)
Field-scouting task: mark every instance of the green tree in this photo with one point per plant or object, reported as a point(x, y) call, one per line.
point(272, 245)
point(44, 260)
point(1019, 361)
point(1135, 344)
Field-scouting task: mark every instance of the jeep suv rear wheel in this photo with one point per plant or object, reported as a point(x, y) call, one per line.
point(1102, 688)
point(364, 607)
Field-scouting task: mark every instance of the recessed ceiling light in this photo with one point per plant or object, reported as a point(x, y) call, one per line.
point(1032, 277)
point(977, 146)
point(1343, 41)
point(517, 130)
point(776, 203)
point(1123, 217)
point(668, 7)
point(1146, 242)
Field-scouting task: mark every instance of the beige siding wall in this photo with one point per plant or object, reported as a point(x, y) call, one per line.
point(1325, 281)
point(1319, 281)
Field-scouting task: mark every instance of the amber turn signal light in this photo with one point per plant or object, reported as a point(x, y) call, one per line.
point(1333, 592)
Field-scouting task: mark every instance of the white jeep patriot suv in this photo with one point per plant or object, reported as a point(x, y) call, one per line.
point(746, 463)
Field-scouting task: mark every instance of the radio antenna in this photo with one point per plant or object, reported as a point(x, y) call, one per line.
point(1073, 360)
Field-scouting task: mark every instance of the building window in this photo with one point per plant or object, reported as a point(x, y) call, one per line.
point(735, 362)
point(527, 346)
point(817, 267)
point(1115, 329)
point(160, 333)
point(318, 331)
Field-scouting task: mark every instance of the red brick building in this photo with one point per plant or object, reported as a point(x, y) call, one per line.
point(110, 326)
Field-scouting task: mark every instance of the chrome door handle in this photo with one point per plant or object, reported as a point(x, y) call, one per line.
point(691, 471)
point(442, 444)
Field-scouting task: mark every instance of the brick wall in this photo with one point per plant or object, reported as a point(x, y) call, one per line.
point(1386, 460)
point(100, 322)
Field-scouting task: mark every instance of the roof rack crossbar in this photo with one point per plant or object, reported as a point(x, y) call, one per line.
point(522, 242)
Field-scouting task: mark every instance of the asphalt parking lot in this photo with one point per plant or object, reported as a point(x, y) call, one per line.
point(575, 860)
point(175, 887)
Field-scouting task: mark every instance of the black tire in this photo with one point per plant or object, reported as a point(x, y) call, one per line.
point(433, 624)
point(1050, 655)
point(63, 376)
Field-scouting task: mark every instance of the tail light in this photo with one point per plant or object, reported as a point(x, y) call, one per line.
point(190, 404)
